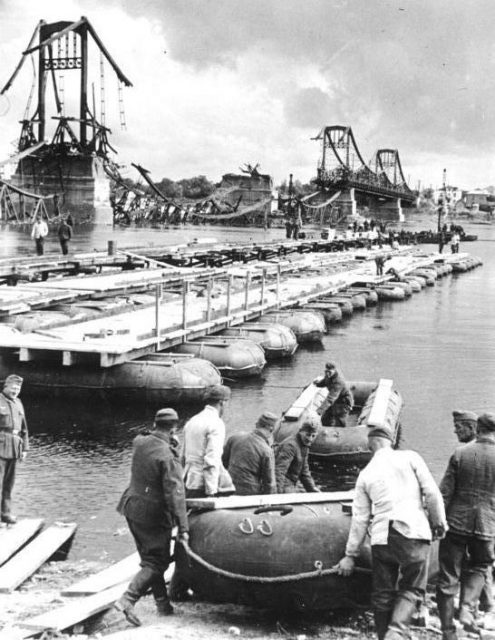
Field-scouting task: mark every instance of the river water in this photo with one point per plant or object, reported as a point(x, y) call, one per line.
point(438, 347)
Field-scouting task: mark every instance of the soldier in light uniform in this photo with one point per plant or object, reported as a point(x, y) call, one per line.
point(14, 441)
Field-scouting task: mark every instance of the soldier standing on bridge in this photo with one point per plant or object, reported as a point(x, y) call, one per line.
point(39, 233)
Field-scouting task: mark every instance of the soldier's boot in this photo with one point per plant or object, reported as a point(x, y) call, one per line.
point(382, 620)
point(163, 606)
point(446, 610)
point(138, 586)
point(401, 617)
point(472, 587)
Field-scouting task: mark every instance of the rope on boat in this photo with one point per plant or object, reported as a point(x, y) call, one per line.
point(295, 577)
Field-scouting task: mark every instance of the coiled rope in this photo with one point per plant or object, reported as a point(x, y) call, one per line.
point(319, 572)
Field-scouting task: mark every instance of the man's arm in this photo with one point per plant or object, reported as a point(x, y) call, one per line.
point(213, 457)
point(283, 457)
point(448, 483)
point(268, 481)
point(361, 517)
point(431, 493)
point(306, 477)
point(227, 450)
point(173, 492)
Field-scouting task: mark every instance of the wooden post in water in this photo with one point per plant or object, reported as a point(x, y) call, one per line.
point(278, 284)
point(263, 277)
point(158, 299)
point(246, 292)
point(111, 247)
point(185, 291)
point(208, 300)
point(229, 294)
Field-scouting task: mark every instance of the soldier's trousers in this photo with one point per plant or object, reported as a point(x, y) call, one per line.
point(7, 479)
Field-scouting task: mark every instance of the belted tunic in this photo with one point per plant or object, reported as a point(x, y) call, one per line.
point(14, 436)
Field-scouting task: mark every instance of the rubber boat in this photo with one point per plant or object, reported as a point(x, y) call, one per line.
point(275, 552)
point(375, 404)
point(234, 357)
point(330, 311)
point(155, 379)
point(344, 303)
point(308, 326)
point(276, 340)
point(388, 291)
point(368, 292)
point(250, 550)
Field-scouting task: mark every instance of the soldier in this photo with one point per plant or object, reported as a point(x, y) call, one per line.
point(398, 501)
point(467, 487)
point(249, 458)
point(14, 441)
point(339, 401)
point(204, 436)
point(152, 504)
point(291, 457)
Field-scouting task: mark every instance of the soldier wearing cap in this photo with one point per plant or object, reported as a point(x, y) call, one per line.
point(291, 457)
point(339, 400)
point(249, 458)
point(391, 494)
point(465, 424)
point(153, 503)
point(14, 441)
point(204, 436)
point(468, 490)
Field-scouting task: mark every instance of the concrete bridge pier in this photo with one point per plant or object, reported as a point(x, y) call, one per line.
point(347, 202)
point(391, 210)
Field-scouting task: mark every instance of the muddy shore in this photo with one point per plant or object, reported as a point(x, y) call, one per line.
point(192, 620)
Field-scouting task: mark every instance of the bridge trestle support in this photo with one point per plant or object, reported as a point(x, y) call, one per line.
point(346, 202)
point(391, 210)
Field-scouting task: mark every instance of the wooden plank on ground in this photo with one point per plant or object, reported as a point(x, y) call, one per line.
point(242, 502)
point(12, 538)
point(28, 560)
point(76, 611)
point(380, 403)
point(109, 577)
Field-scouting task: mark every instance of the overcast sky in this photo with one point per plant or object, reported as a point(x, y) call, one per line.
point(217, 83)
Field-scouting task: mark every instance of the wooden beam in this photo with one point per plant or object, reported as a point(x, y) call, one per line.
point(67, 358)
point(243, 502)
point(380, 403)
point(14, 537)
point(72, 613)
point(109, 577)
point(32, 556)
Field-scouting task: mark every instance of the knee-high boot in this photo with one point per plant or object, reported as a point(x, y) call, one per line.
point(138, 586)
point(403, 611)
point(472, 585)
point(446, 608)
point(382, 619)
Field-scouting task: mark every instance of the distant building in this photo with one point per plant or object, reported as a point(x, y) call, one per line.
point(449, 193)
point(252, 188)
point(476, 196)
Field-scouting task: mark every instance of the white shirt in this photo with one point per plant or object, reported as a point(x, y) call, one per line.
point(392, 489)
point(204, 435)
point(39, 230)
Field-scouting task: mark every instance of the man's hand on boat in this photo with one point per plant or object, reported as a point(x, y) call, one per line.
point(345, 566)
point(183, 537)
point(438, 532)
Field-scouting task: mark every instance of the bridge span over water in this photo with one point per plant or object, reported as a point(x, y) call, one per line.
point(379, 185)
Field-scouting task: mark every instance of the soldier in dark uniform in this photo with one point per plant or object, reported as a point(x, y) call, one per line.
point(339, 401)
point(291, 457)
point(152, 504)
point(14, 441)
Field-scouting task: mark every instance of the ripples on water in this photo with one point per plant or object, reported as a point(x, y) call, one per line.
point(438, 347)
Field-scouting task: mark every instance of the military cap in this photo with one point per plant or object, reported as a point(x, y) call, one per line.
point(487, 421)
point(311, 422)
point(330, 365)
point(166, 415)
point(267, 420)
point(381, 432)
point(464, 415)
point(217, 393)
point(13, 379)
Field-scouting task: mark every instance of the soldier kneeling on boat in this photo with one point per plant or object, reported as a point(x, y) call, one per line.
point(339, 400)
point(152, 504)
